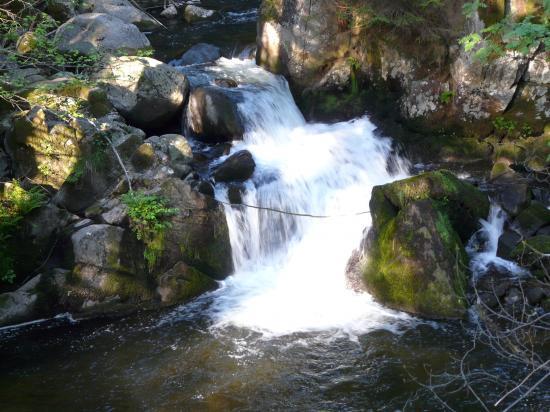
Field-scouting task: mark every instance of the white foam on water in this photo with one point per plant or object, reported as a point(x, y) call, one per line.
point(290, 271)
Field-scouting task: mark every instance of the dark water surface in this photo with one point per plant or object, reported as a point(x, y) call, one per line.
point(174, 361)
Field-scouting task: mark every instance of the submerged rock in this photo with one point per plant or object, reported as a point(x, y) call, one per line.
point(91, 33)
point(213, 116)
point(145, 91)
point(237, 167)
point(416, 259)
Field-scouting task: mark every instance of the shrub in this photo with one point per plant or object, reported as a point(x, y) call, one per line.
point(148, 214)
point(15, 203)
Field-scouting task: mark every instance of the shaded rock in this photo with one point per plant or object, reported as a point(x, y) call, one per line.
point(145, 91)
point(91, 33)
point(206, 188)
point(506, 243)
point(61, 10)
point(534, 254)
point(169, 12)
point(416, 260)
point(235, 194)
point(198, 235)
point(212, 116)
point(237, 167)
point(123, 10)
point(21, 305)
point(4, 164)
point(532, 219)
point(144, 157)
point(512, 191)
point(198, 54)
point(182, 283)
point(193, 14)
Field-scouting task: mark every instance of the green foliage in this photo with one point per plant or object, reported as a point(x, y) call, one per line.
point(504, 125)
point(145, 53)
point(148, 214)
point(15, 203)
point(446, 97)
point(521, 36)
point(354, 65)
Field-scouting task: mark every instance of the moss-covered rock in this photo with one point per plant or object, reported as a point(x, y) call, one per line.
point(182, 283)
point(532, 219)
point(534, 253)
point(416, 260)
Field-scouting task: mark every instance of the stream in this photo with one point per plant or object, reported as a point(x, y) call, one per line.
point(284, 332)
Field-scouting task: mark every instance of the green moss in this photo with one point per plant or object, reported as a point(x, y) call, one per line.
point(126, 287)
point(499, 169)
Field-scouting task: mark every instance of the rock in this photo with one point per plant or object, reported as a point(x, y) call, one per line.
point(91, 33)
point(169, 12)
point(193, 14)
point(198, 54)
point(198, 235)
point(534, 295)
point(145, 91)
point(26, 43)
point(144, 157)
point(61, 10)
point(229, 83)
point(512, 192)
point(4, 164)
point(123, 10)
point(38, 234)
point(21, 305)
point(532, 219)
point(415, 255)
point(534, 254)
point(506, 243)
point(212, 116)
point(109, 263)
point(178, 150)
point(182, 283)
point(237, 167)
point(205, 188)
point(235, 194)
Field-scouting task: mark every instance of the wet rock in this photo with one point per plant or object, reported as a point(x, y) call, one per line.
point(145, 91)
point(235, 194)
point(123, 10)
point(506, 243)
point(415, 247)
point(182, 283)
point(205, 188)
point(193, 14)
point(229, 83)
point(169, 12)
point(198, 234)
point(212, 116)
point(198, 54)
point(91, 33)
point(237, 167)
point(530, 220)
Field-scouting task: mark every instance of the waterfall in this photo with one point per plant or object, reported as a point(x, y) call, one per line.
point(290, 271)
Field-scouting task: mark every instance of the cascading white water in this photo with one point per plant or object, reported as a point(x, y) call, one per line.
point(490, 232)
point(289, 270)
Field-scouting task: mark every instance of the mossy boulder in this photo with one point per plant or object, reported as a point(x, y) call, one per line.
point(530, 220)
point(416, 260)
point(533, 254)
point(182, 283)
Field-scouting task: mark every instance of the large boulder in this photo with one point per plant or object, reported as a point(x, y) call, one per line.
point(93, 33)
point(198, 234)
point(237, 167)
point(145, 91)
point(23, 304)
point(213, 116)
point(71, 156)
point(416, 260)
point(123, 10)
point(108, 264)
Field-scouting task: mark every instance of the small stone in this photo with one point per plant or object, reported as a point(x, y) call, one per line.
point(237, 167)
point(194, 13)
